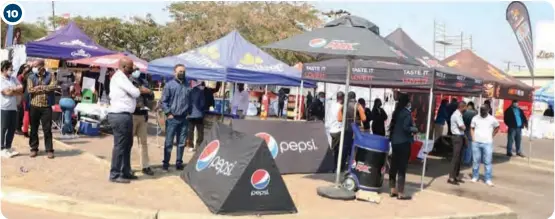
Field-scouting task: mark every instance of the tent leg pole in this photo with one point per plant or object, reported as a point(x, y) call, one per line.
point(298, 115)
point(370, 96)
point(344, 122)
point(530, 127)
point(425, 146)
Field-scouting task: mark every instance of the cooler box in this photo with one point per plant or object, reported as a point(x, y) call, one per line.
point(414, 150)
point(89, 128)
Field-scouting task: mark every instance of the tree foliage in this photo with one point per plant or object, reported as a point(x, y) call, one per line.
point(194, 24)
point(29, 31)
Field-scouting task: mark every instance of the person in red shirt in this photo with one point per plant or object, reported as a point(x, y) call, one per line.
point(22, 126)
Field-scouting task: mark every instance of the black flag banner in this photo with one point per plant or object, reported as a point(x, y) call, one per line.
point(519, 19)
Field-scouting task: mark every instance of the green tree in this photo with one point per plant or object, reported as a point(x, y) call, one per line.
point(29, 31)
point(261, 23)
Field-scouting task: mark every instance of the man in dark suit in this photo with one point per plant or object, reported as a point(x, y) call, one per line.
point(514, 119)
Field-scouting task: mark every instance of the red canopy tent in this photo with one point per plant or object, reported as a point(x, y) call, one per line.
point(112, 61)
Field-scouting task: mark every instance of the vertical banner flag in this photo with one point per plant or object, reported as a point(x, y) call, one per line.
point(519, 19)
point(9, 37)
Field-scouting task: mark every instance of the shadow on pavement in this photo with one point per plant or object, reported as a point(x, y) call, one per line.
point(159, 173)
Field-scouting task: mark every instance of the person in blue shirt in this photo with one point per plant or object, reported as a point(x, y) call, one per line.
point(514, 119)
point(175, 104)
point(441, 118)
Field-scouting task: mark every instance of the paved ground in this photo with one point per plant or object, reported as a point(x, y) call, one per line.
point(541, 148)
point(11, 211)
point(528, 191)
point(77, 175)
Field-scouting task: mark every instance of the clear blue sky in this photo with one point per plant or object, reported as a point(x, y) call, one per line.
point(492, 36)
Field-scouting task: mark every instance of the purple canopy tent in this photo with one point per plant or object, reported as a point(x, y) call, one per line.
point(68, 42)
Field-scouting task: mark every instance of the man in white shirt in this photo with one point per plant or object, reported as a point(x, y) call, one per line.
point(123, 95)
point(484, 128)
point(10, 88)
point(457, 140)
point(334, 125)
point(240, 100)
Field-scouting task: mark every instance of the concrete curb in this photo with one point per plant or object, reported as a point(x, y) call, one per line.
point(72, 206)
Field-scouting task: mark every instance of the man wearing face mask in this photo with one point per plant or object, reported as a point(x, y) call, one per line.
point(316, 110)
point(175, 104)
point(484, 128)
point(514, 119)
point(457, 139)
point(123, 102)
point(196, 117)
point(240, 100)
point(40, 86)
point(140, 122)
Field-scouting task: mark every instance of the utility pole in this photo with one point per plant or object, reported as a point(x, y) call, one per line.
point(519, 67)
point(53, 17)
point(508, 65)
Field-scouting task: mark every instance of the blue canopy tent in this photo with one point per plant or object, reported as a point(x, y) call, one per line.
point(545, 94)
point(67, 43)
point(231, 59)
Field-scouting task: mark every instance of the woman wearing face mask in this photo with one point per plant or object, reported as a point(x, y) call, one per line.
point(10, 88)
point(379, 117)
point(401, 135)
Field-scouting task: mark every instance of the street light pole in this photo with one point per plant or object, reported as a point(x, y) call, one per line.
point(53, 17)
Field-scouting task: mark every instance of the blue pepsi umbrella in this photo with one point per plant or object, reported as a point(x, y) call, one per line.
point(67, 43)
point(545, 94)
point(233, 59)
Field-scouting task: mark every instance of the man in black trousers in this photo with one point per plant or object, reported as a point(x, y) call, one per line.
point(123, 96)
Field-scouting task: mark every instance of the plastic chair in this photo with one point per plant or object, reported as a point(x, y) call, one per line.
point(57, 117)
point(87, 96)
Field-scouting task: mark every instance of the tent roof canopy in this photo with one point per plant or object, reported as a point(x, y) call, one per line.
point(231, 58)
point(68, 42)
point(498, 84)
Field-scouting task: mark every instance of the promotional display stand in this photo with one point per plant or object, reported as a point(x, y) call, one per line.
point(297, 147)
point(234, 173)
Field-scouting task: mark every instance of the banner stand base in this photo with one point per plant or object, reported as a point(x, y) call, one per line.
point(335, 192)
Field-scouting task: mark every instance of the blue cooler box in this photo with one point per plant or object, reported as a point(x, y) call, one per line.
point(89, 128)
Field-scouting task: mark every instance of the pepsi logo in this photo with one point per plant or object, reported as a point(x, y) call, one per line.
point(260, 179)
point(270, 141)
point(317, 43)
point(208, 154)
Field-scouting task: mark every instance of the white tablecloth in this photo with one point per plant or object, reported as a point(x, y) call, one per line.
point(425, 149)
point(92, 109)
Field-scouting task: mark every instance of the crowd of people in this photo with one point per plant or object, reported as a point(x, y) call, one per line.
point(28, 97)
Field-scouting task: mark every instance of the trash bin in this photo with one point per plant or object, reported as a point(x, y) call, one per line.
point(368, 159)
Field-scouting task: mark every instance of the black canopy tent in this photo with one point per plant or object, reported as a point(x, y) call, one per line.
point(351, 38)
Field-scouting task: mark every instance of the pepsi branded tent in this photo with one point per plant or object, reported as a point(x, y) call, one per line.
point(233, 173)
point(66, 43)
point(231, 59)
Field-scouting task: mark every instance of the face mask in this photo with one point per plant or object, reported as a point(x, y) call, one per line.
point(409, 106)
point(181, 76)
point(515, 105)
point(322, 99)
point(35, 70)
point(136, 74)
point(201, 87)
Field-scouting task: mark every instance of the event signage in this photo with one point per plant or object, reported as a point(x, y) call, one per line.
point(234, 173)
point(297, 147)
point(333, 44)
point(519, 19)
point(77, 42)
point(256, 63)
point(80, 53)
